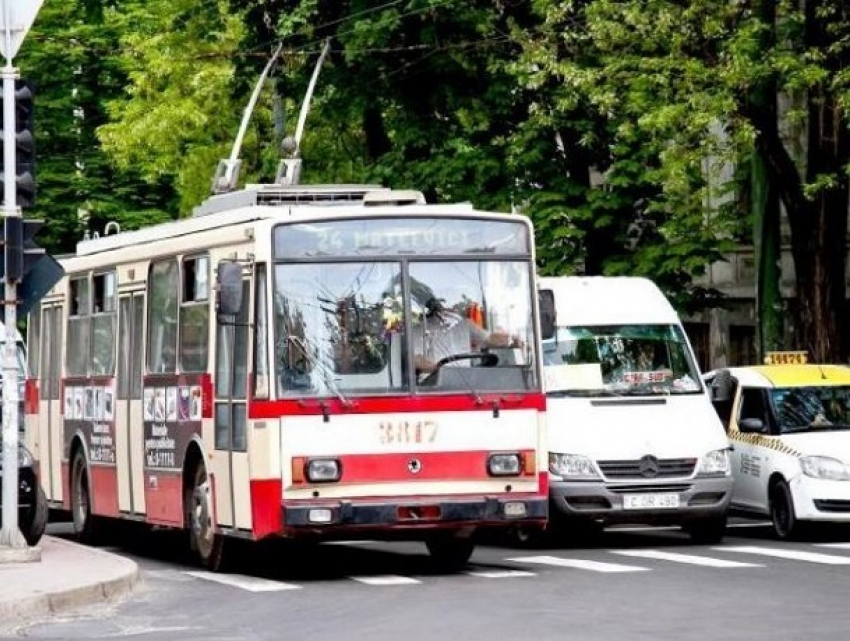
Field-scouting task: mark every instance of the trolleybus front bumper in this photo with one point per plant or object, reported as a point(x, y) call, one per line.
point(442, 512)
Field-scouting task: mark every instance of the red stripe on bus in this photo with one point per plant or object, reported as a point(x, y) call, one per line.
point(31, 396)
point(164, 497)
point(266, 501)
point(206, 396)
point(104, 489)
point(414, 466)
point(388, 405)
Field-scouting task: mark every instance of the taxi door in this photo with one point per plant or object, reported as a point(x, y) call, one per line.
point(749, 456)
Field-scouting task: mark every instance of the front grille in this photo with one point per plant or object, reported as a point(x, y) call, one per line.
point(832, 505)
point(666, 468)
point(650, 487)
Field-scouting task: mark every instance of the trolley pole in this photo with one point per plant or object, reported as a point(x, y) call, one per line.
point(17, 16)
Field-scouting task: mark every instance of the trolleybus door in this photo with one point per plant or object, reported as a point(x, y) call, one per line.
point(129, 428)
point(233, 506)
point(50, 425)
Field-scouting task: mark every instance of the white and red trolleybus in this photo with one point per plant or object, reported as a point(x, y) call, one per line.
point(251, 372)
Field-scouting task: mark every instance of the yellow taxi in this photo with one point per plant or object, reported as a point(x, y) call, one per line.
point(788, 422)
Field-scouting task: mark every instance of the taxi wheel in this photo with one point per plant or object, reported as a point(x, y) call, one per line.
point(785, 523)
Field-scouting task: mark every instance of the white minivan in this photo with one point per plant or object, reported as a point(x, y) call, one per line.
point(633, 437)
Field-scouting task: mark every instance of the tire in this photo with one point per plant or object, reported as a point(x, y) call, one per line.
point(786, 527)
point(81, 513)
point(36, 522)
point(450, 552)
point(205, 542)
point(527, 537)
point(708, 531)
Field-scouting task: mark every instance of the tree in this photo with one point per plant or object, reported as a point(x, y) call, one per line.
point(675, 79)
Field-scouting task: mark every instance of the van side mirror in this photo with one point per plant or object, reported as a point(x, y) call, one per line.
point(752, 425)
point(548, 318)
point(229, 288)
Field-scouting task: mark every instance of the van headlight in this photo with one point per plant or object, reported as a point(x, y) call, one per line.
point(574, 467)
point(715, 463)
point(824, 467)
point(323, 470)
point(25, 457)
point(504, 465)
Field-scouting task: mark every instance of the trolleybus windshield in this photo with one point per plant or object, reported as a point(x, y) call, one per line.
point(360, 305)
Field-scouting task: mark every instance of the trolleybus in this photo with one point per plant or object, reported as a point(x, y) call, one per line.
point(254, 371)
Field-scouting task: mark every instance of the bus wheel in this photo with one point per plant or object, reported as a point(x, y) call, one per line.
point(204, 541)
point(449, 551)
point(785, 523)
point(36, 523)
point(81, 515)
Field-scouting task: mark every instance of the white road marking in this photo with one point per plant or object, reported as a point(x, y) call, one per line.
point(594, 566)
point(690, 559)
point(352, 542)
point(501, 574)
point(249, 583)
point(386, 579)
point(793, 555)
point(837, 546)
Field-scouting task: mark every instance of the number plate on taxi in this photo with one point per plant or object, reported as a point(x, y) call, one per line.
point(650, 501)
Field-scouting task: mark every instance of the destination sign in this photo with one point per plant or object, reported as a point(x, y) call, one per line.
point(400, 236)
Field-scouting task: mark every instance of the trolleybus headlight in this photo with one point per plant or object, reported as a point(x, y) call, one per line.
point(323, 470)
point(572, 466)
point(824, 467)
point(715, 463)
point(504, 465)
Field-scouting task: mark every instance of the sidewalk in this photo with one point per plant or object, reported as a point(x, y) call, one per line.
point(69, 576)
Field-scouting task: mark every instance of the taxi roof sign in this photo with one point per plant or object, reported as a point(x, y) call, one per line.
point(786, 358)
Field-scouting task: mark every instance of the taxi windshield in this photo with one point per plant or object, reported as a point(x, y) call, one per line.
point(800, 409)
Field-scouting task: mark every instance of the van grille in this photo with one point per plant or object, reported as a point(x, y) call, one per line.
point(637, 469)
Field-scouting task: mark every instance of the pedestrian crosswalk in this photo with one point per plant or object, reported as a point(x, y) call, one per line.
point(603, 561)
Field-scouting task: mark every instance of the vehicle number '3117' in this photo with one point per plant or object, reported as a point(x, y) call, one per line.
point(407, 432)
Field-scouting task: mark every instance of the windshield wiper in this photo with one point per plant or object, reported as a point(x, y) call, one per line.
point(582, 393)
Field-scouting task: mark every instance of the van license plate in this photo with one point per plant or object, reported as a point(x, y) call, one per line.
point(650, 501)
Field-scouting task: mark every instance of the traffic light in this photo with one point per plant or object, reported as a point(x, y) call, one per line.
point(25, 263)
point(24, 146)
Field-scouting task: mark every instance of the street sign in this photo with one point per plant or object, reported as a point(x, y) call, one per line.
point(20, 15)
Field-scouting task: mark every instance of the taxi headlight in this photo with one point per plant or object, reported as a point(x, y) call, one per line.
point(824, 467)
point(715, 463)
point(574, 467)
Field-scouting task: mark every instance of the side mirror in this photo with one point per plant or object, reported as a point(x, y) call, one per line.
point(548, 318)
point(752, 425)
point(229, 286)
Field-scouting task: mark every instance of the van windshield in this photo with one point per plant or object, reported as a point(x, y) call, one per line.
point(644, 360)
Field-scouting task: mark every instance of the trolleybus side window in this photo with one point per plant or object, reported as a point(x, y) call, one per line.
point(195, 315)
point(162, 317)
point(78, 327)
point(261, 359)
point(103, 324)
point(231, 381)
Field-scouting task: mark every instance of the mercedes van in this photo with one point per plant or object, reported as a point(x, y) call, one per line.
point(633, 437)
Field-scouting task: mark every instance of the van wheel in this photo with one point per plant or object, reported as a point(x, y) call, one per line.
point(81, 514)
point(785, 523)
point(36, 523)
point(204, 541)
point(450, 552)
point(707, 531)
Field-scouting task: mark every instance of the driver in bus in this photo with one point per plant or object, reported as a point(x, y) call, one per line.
point(444, 332)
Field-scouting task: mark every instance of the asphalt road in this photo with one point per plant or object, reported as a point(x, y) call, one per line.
point(637, 584)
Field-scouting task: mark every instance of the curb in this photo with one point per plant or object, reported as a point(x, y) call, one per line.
point(40, 606)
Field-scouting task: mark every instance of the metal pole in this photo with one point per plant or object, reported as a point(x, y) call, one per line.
point(10, 535)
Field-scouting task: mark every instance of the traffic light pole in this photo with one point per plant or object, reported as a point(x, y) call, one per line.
point(10, 534)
